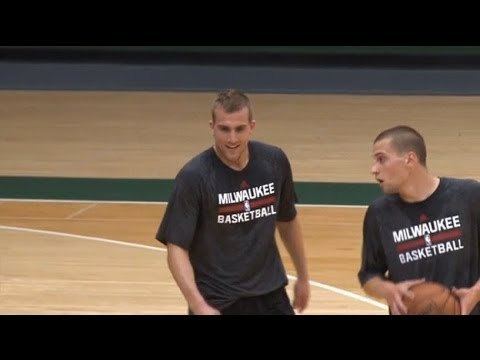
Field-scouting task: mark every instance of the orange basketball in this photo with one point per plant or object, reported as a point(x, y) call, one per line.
point(432, 298)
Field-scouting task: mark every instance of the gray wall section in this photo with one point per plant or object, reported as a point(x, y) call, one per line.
point(255, 79)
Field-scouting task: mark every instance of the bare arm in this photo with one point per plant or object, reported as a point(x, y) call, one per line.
point(469, 297)
point(291, 235)
point(392, 292)
point(182, 271)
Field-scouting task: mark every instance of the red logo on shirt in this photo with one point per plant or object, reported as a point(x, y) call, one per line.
point(423, 218)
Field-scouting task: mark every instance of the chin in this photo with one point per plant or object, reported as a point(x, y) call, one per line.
point(231, 158)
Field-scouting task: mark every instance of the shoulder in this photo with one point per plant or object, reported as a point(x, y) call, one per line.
point(462, 186)
point(197, 167)
point(382, 203)
point(463, 190)
point(264, 147)
point(268, 150)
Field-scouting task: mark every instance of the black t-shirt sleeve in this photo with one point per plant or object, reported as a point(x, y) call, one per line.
point(475, 204)
point(373, 255)
point(180, 218)
point(288, 197)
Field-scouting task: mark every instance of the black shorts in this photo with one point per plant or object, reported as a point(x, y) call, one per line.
point(272, 303)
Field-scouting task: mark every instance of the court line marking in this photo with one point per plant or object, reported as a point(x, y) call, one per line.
point(76, 213)
point(92, 238)
point(154, 202)
point(344, 293)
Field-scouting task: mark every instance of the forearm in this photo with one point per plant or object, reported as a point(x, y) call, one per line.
point(291, 235)
point(378, 287)
point(476, 289)
point(182, 271)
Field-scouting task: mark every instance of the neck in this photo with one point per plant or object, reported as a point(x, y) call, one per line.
point(419, 187)
point(238, 164)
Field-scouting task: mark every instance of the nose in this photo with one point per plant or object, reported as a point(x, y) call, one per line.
point(374, 169)
point(232, 137)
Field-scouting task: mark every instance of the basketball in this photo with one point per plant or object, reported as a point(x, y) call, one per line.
point(432, 298)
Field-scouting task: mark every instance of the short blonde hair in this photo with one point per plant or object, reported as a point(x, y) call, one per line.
point(231, 101)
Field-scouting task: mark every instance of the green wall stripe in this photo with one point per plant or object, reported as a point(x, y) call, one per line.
point(14, 187)
point(337, 193)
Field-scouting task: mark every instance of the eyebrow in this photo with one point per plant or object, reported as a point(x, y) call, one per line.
point(239, 127)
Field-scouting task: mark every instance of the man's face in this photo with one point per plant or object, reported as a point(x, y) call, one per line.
point(390, 168)
point(232, 133)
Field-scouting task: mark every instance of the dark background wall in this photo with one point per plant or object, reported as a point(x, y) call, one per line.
point(363, 56)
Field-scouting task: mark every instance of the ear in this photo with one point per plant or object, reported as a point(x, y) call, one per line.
point(252, 124)
point(411, 158)
point(211, 124)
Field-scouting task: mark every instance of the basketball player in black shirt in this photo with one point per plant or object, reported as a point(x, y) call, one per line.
point(219, 225)
point(423, 228)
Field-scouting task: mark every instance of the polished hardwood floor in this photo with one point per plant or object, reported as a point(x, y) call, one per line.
point(151, 135)
point(46, 269)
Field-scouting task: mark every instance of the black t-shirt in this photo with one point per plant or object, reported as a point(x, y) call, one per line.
point(226, 220)
point(436, 239)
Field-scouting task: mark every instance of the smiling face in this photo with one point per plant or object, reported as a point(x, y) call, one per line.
point(390, 168)
point(231, 132)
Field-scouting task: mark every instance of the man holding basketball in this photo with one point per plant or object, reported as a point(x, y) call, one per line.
point(219, 225)
point(423, 228)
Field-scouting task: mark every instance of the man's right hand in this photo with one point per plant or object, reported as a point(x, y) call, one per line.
point(205, 309)
point(395, 293)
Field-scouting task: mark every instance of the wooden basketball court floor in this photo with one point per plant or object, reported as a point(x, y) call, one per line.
point(101, 258)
